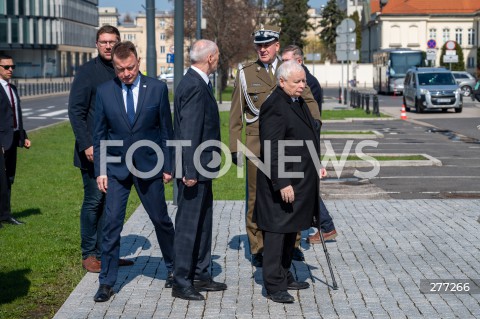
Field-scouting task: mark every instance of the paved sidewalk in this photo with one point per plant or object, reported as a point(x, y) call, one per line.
point(383, 249)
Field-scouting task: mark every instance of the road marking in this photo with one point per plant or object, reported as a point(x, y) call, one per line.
point(419, 177)
point(36, 118)
point(54, 113)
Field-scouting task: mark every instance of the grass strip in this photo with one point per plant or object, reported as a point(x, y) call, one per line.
point(348, 113)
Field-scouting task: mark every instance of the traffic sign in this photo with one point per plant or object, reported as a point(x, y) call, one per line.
point(346, 38)
point(450, 52)
point(431, 54)
point(450, 59)
point(346, 26)
point(313, 56)
point(450, 45)
point(343, 56)
point(345, 46)
point(170, 58)
point(432, 44)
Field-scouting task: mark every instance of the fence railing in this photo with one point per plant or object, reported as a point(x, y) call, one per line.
point(42, 87)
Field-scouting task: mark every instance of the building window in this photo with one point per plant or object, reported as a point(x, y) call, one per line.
point(3, 26)
point(458, 36)
point(162, 24)
point(162, 49)
point(15, 31)
point(471, 36)
point(432, 34)
point(445, 35)
point(471, 62)
point(162, 36)
point(10, 7)
point(129, 37)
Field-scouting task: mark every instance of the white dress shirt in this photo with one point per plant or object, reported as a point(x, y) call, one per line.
point(7, 91)
point(135, 91)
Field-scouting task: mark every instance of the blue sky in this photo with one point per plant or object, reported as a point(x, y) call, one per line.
point(133, 6)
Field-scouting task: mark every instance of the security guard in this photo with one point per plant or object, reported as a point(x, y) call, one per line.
point(253, 84)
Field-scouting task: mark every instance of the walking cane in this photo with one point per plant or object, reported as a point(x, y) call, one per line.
point(327, 256)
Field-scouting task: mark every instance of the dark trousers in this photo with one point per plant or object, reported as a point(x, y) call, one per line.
point(4, 190)
point(326, 222)
point(277, 259)
point(152, 196)
point(91, 216)
point(193, 233)
point(8, 167)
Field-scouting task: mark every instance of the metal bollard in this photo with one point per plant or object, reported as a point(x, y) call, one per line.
point(363, 101)
point(340, 95)
point(376, 108)
point(345, 95)
point(367, 103)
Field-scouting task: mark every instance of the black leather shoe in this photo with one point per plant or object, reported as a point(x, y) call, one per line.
point(103, 294)
point(298, 285)
point(169, 280)
point(188, 293)
point(257, 260)
point(298, 255)
point(13, 221)
point(281, 297)
point(208, 285)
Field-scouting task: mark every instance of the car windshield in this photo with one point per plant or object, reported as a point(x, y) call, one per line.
point(436, 79)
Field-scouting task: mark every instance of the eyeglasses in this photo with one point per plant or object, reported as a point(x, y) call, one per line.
point(104, 43)
point(7, 67)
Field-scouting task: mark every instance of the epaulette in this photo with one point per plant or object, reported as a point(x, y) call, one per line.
point(246, 65)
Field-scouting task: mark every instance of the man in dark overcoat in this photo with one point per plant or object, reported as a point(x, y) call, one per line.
point(287, 192)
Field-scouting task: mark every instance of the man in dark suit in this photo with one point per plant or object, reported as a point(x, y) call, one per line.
point(196, 121)
point(132, 125)
point(81, 111)
point(12, 135)
point(286, 203)
point(293, 52)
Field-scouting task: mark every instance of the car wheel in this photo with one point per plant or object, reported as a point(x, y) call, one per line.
point(405, 103)
point(419, 106)
point(466, 90)
point(458, 110)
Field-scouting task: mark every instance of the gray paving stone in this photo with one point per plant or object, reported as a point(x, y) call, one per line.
point(384, 248)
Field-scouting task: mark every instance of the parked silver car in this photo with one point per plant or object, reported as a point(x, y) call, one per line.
point(465, 81)
point(431, 88)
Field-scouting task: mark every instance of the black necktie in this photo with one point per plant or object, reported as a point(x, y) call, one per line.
point(130, 104)
point(210, 86)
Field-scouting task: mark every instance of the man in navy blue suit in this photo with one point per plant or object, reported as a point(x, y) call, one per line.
point(132, 125)
point(196, 121)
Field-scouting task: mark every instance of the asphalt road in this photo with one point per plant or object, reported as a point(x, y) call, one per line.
point(453, 138)
point(43, 111)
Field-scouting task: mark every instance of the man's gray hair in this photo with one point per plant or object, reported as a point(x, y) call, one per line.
point(201, 49)
point(287, 68)
point(297, 51)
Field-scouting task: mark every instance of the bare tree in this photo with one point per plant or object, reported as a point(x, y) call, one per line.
point(230, 24)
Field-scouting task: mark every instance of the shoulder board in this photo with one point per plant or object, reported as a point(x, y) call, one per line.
point(246, 65)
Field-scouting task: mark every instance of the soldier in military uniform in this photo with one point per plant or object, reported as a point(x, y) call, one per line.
point(253, 84)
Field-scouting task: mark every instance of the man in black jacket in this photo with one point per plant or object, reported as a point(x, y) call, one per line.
point(81, 111)
point(293, 52)
point(12, 135)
